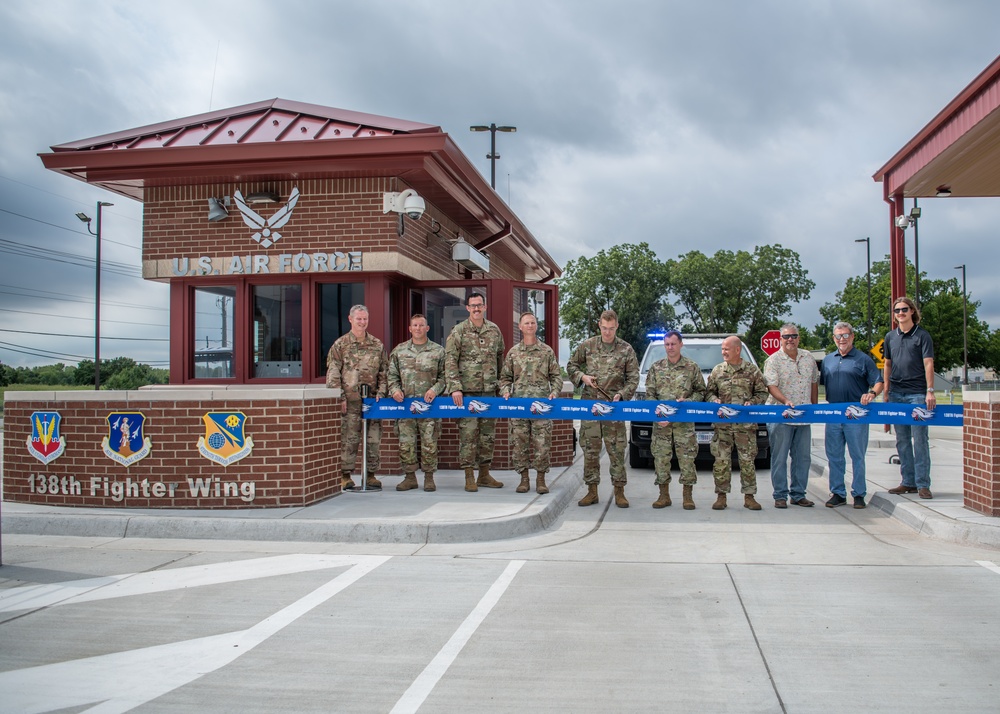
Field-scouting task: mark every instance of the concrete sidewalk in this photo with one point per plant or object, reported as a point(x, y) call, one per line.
point(943, 517)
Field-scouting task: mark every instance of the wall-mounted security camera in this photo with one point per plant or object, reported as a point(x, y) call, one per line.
point(406, 202)
point(903, 221)
point(467, 256)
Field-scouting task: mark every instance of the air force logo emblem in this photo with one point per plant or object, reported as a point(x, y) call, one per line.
point(224, 441)
point(125, 442)
point(266, 230)
point(46, 443)
point(601, 409)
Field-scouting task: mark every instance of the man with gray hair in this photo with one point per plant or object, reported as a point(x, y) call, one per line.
point(357, 361)
point(792, 379)
point(850, 376)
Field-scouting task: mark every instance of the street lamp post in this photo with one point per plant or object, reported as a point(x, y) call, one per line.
point(493, 155)
point(915, 215)
point(868, 245)
point(97, 291)
point(965, 327)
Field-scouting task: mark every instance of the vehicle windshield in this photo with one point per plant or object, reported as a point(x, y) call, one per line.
point(706, 355)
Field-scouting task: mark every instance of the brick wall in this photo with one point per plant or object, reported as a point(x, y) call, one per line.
point(981, 451)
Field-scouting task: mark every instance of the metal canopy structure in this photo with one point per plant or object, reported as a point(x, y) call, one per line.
point(956, 154)
point(280, 139)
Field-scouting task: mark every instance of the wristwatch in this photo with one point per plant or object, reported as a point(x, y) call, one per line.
point(873, 392)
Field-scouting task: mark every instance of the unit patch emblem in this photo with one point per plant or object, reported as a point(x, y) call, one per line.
point(224, 441)
point(125, 442)
point(46, 443)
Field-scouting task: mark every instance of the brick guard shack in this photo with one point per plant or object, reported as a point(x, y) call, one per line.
point(258, 296)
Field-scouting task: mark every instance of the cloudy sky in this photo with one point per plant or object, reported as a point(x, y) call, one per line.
point(689, 125)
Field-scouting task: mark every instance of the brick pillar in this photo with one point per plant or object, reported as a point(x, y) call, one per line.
point(981, 451)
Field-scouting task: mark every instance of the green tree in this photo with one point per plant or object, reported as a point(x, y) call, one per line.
point(741, 291)
point(134, 376)
point(626, 278)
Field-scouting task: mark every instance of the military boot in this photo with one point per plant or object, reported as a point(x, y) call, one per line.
point(591, 497)
point(620, 499)
point(372, 482)
point(485, 479)
point(429, 481)
point(664, 500)
point(688, 498)
point(720, 502)
point(749, 502)
point(525, 483)
point(470, 480)
point(346, 481)
point(540, 486)
point(409, 482)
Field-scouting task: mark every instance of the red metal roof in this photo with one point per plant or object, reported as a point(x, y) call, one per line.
point(959, 148)
point(279, 139)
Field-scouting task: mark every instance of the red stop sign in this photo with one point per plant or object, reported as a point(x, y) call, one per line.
point(771, 342)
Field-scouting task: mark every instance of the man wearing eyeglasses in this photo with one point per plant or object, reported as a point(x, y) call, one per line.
point(909, 379)
point(850, 376)
point(792, 379)
point(473, 356)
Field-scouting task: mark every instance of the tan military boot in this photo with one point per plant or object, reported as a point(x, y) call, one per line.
point(620, 499)
point(429, 481)
point(720, 502)
point(470, 480)
point(485, 479)
point(346, 481)
point(688, 498)
point(525, 483)
point(372, 482)
point(409, 482)
point(591, 497)
point(540, 486)
point(664, 500)
point(749, 502)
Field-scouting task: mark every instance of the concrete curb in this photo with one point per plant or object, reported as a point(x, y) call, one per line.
point(539, 513)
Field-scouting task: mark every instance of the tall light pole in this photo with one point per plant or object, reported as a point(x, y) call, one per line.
point(868, 244)
point(97, 291)
point(965, 327)
point(493, 155)
point(915, 215)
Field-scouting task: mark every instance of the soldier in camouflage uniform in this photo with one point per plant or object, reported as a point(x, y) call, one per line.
point(530, 370)
point(416, 369)
point(607, 367)
point(735, 381)
point(473, 356)
point(675, 378)
point(356, 359)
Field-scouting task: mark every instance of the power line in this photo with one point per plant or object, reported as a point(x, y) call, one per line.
point(64, 228)
point(89, 337)
point(77, 317)
point(70, 298)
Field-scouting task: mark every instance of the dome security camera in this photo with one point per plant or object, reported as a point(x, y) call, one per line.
point(414, 207)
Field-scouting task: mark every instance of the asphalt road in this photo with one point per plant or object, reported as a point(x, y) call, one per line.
point(611, 610)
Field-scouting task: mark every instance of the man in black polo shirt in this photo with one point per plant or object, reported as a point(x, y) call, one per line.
point(909, 376)
point(850, 376)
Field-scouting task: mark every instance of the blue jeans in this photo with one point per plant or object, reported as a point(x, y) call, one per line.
point(795, 441)
point(912, 446)
point(856, 438)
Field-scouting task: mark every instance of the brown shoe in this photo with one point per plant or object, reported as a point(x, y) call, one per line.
point(620, 499)
point(903, 489)
point(925, 493)
point(525, 484)
point(803, 502)
point(781, 503)
point(429, 484)
point(720, 502)
point(664, 500)
point(470, 480)
point(591, 497)
point(750, 502)
point(408, 483)
point(540, 486)
point(373, 483)
point(688, 498)
point(485, 479)
point(346, 482)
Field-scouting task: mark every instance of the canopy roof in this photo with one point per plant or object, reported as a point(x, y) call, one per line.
point(279, 139)
point(958, 150)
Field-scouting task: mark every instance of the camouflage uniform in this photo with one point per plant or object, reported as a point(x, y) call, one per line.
point(735, 385)
point(413, 369)
point(472, 360)
point(617, 372)
point(350, 363)
point(671, 382)
point(530, 371)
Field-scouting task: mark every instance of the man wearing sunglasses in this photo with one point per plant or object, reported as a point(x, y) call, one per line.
point(850, 377)
point(792, 379)
point(909, 379)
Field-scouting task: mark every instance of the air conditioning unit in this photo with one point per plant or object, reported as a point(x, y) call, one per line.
point(464, 254)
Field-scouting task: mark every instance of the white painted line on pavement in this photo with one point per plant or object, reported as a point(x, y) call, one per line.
point(90, 589)
point(989, 566)
point(413, 698)
point(120, 681)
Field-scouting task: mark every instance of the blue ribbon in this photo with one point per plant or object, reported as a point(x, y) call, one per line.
point(648, 410)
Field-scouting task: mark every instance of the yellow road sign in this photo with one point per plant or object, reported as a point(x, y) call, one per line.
point(878, 353)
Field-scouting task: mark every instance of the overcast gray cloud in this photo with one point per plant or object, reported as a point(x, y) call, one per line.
point(692, 126)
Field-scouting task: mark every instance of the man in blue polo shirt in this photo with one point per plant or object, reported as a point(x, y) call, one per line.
point(909, 378)
point(850, 376)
